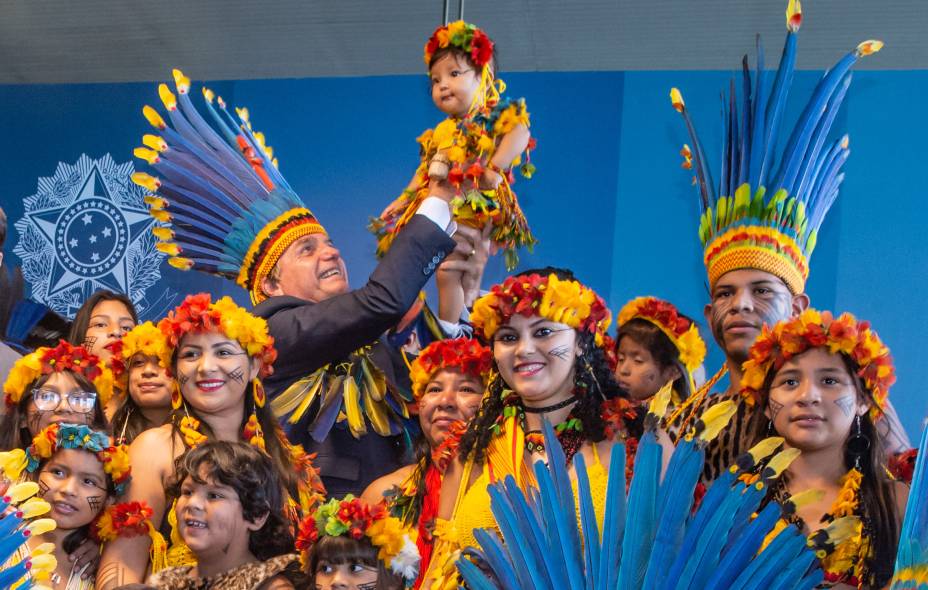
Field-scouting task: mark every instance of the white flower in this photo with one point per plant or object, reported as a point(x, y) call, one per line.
point(406, 562)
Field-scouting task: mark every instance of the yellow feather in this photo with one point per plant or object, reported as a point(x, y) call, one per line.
point(806, 497)
point(352, 400)
point(660, 401)
point(780, 462)
point(297, 397)
point(377, 412)
point(716, 418)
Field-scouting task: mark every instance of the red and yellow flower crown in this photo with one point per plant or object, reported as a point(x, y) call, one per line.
point(144, 339)
point(681, 331)
point(396, 543)
point(563, 301)
point(127, 519)
point(463, 36)
point(199, 314)
point(115, 459)
point(64, 357)
point(464, 354)
point(813, 329)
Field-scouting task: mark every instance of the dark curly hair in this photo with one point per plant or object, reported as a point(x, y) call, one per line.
point(254, 478)
point(594, 383)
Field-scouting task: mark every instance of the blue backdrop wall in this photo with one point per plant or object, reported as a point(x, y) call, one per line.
point(609, 199)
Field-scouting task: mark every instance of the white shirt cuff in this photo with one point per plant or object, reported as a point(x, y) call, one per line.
point(439, 213)
point(455, 330)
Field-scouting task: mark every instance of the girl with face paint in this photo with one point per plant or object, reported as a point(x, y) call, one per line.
point(347, 544)
point(140, 362)
point(50, 386)
point(230, 513)
point(219, 352)
point(655, 344)
point(547, 331)
point(80, 474)
point(822, 383)
point(449, 378)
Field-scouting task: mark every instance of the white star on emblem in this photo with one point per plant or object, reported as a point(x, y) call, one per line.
point(73, 243)
point(93, 238)
point(106, 232)
point(87, 218)
point(95, 257)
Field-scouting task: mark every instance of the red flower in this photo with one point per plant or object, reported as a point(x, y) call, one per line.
point(456, 176)
point(481, 48)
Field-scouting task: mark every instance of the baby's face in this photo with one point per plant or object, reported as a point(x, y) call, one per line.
point(454, 84)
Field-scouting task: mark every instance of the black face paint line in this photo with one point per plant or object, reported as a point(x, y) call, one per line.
point(182, 379)
point(775, 408)
point(33, 420)
point(95, 503)
point(43, 488)
point(561, 352)
point(238, 374)
point(846, 403)
point(88, 342)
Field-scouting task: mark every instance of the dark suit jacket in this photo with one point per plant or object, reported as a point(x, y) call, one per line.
point(311, 335)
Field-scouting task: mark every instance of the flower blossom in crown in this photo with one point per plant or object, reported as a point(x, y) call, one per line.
point(145, 339)
point(682, 331)
point(128, 519)
point(464, 354)
point(115, 459)
point(199, 314)
point(64, 357)
point(563, 301)
point(814, 329)
point(464, 37)
point(395, 543)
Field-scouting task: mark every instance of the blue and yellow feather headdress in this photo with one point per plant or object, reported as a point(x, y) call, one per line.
point(765, 214)
point(229, 211)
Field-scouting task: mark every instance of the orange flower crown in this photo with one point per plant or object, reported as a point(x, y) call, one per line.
point(144, 339)
point(682, 331)
point(64, 357)
point(813, 329)
point(396, 543)
point(563, 301)
point(115, 459)
point(464, 354)
point(464, 37)
point(199, 314)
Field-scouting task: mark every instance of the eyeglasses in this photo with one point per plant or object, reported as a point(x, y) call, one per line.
point(81, 402)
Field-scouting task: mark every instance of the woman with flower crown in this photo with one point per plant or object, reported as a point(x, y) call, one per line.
point(218, 354)
point(546, 330)
point(472, 152)
point(823, 383)
point(448, 378)
point(347, 543)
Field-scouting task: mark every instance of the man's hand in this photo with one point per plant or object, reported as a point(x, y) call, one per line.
point(470, 258)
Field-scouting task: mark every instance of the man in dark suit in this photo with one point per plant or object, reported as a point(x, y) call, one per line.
point(316, 321)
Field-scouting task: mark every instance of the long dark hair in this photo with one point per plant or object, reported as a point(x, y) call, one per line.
point(14, 431)
point(255, 479)
point(662, 350)
point(82, 317)
point(129, 421)
point(593, 384)
point(877, 491)
point(345, 550)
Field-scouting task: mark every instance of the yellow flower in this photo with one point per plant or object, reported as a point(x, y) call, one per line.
point(26, 370)
point(485, 144)
point(566, 302)
point(457, 154)
point(484, 316)
point(692, 348)
point(105, 529)
point(810, 317)
point(455, 28)
point(386, 534)
point(443, 37)
point(104, 384)
point(146, 339)
point(117, 464)
point(444, 134)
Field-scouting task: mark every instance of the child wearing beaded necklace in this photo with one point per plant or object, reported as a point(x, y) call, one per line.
point(471, 153)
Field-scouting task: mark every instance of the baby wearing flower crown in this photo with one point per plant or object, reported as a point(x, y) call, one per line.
point(472, 152)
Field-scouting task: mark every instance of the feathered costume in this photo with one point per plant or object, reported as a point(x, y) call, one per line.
point(469, 143)
point(649, 539)
point(25, 324)
point(765, 212)
point(912, 557)
point(226, 210)
point(20, 566)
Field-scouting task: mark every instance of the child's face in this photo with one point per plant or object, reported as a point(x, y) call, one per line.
point(149, 384)
point(74, 483)
point(813, 401)
point(454, 84)
point(345, 576)
point(110, 320)
point(210, 518)
point(637, 372)
point(74, 405)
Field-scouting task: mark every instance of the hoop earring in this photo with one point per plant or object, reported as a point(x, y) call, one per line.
point(858, 443)
point(770, 431)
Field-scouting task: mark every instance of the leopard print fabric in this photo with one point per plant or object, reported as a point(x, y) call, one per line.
point(251, 576)
point(732, 441)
